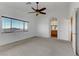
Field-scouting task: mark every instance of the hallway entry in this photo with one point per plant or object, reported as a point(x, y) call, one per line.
point(60, 29)
point(54, 28)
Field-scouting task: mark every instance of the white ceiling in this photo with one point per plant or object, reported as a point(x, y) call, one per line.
point(21, 9)
point(23, 6)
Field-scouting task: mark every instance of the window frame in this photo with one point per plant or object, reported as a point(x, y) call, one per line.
point(23, 30)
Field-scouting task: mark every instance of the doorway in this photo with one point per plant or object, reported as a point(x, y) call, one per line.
point(54, 28)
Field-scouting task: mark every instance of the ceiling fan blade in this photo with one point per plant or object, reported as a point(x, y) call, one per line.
point(31, 12)
point(42, 13)
point(34, 9)
point(42, 9)
point(28, 3)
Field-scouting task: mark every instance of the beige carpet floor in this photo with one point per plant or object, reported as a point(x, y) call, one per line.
point(37, 47)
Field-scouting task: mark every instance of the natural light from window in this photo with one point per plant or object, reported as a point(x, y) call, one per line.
point(13, 25)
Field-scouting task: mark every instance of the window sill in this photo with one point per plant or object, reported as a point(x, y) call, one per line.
point(16, 31)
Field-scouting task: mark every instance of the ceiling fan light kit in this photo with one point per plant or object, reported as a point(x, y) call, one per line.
point(38, 11)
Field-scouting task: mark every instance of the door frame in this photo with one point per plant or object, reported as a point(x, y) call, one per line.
point(50, 27)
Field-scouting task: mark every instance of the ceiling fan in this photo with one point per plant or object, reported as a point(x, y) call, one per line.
point(38, 11)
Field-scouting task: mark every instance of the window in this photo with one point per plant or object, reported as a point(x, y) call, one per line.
point(13, 25)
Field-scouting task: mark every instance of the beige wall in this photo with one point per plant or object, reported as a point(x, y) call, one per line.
point(19, 11)
point(73, 8)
